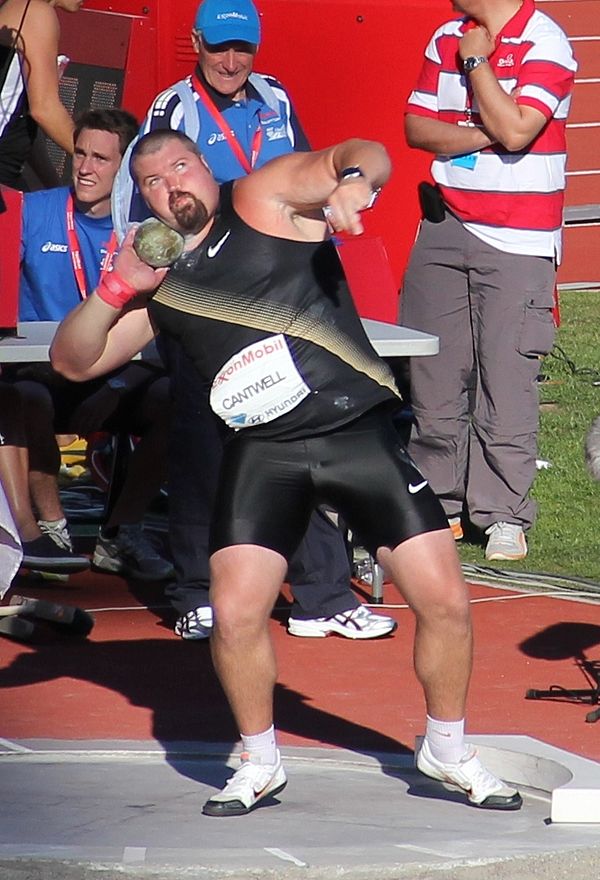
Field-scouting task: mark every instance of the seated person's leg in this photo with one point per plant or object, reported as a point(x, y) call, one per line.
point(40, 551)
point(319, 576)
point(14, 463)
point(194, 458)
point(123, 547)
point(44, 458)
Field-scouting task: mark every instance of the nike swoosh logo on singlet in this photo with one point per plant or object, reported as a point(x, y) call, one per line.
point(213, 249)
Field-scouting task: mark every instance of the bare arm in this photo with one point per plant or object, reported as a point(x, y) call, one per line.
point(39, 48)
point(97, 337)
point(299, 185)
point(512, 125)
point(90, 341)
point(444, 138)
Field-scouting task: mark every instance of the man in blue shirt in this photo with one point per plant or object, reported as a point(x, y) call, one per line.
point(67, 246)
point(240, 120)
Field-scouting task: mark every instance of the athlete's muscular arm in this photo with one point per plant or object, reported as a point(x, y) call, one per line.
point(286, 196)
point(90, 342)
point(101, 334)
point(510, 124)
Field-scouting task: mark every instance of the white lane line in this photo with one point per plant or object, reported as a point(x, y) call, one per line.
point(8, 744)
point(134, 855)
point(285, 856)
point(425, 849)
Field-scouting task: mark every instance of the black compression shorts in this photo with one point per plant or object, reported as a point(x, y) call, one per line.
point(270, 487)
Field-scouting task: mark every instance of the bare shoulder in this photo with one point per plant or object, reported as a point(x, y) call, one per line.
point(25, 12)
point(41, 18)
point(34, 21)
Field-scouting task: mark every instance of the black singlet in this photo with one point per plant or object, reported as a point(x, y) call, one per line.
point(17, 128)
point(271, 323)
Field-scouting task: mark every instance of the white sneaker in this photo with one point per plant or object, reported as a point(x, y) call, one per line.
point(196, 624)
point(482, 787)
point(358, 623)
point(506, 541)
point(248, 785)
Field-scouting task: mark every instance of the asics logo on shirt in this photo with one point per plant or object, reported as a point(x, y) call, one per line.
point(50, 247)
point(215, 137)
point(213, 249)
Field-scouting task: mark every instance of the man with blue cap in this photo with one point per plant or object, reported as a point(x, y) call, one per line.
point(239, 120)
point(220, 22)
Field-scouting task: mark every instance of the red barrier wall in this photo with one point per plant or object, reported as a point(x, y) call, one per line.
point(10, 236)
point(348, 64)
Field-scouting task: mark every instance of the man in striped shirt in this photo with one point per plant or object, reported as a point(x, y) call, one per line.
point(491, 103)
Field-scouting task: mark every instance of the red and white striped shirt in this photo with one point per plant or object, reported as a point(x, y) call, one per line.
point(512, 201)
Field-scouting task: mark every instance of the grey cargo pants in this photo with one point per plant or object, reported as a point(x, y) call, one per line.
point(476, 402)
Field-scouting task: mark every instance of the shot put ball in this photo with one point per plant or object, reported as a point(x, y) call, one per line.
point(156, 244)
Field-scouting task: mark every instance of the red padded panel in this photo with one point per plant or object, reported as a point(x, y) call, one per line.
point(10, 236)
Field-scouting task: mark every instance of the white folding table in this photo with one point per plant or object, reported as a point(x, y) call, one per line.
point(32, 341)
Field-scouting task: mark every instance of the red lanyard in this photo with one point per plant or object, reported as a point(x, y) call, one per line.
point(75, 251)
point(227, 131)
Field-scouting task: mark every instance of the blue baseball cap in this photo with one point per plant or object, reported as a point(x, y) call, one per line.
point(220, 21)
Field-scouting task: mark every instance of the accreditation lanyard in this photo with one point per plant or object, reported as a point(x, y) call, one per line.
point(230, 136)
point(75, 251)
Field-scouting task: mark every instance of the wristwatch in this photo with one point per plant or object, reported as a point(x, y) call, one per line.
point(354, 171)
point(472, 62)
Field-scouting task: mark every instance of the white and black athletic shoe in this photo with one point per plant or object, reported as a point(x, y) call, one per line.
point(249, 785)
point(358, 623)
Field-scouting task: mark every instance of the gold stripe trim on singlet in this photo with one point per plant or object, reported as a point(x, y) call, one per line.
point(275, 318)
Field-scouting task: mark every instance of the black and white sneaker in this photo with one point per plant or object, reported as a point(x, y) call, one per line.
point(44, 554)
point(357, 623)
point(196, 624)
point(482, 788)
point(247, 787)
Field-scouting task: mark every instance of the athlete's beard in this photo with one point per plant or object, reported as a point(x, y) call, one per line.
point(191, 215)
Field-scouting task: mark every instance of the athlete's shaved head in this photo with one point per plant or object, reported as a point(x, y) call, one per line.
point(156, 140)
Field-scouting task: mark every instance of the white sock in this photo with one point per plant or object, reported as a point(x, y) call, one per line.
point(261, 747)
point(53, 523)
point(446, 739)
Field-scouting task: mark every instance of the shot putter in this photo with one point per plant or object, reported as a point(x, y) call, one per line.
point(156, 244)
